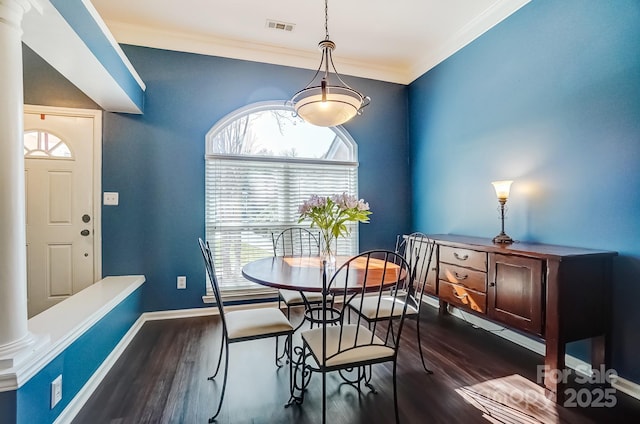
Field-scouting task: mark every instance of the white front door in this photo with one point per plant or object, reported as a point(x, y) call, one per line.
point(60, 209)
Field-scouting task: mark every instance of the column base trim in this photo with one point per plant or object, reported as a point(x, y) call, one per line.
point(15, 353)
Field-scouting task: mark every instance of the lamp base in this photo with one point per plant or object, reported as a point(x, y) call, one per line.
point(502, 238)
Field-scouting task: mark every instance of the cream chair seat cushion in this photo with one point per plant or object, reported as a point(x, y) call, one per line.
point(255, 322)
point(388, 306)
point(366, 349)
point(294, 297)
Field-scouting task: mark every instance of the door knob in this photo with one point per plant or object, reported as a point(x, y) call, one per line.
point(86, 218)
point(84, 233)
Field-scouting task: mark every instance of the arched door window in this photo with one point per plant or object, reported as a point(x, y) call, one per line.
point(261, 164)
point(41, 144)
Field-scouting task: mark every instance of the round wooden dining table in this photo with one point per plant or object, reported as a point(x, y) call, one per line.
point(304, 273)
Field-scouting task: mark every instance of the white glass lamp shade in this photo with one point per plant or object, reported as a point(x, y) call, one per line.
point(339, 105)
point(502, 188)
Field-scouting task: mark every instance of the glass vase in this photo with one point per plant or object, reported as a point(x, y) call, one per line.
point(327, 252)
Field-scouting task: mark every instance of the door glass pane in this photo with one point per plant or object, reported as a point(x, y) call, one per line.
point(39, 144)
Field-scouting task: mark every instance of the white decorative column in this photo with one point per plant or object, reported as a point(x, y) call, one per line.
point(15, 339)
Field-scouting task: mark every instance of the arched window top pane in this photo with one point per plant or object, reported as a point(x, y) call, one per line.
point(40, 144)
point(270, 129)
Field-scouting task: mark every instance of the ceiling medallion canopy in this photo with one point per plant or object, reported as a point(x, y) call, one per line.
point(325, 103)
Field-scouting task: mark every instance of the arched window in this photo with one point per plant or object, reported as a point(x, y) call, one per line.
point(261, 164)
point(40, 144)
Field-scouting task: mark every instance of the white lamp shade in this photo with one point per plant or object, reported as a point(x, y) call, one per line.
point(340, 105)
point(502, 188)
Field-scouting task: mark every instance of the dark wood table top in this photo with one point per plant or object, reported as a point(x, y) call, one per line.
point(304, 273)
point(536, 250)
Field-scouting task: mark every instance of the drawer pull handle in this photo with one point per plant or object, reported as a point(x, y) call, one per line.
point(461, 277)
point(460, 257)
point(465, 295)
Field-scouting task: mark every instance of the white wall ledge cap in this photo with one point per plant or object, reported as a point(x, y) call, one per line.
point(59, 326)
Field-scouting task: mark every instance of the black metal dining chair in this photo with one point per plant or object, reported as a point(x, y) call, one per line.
point(242, 325)
point(351, 349)
point(417, 249)
point(299, 242)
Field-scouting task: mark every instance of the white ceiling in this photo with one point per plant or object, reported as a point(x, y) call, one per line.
point(389, 41)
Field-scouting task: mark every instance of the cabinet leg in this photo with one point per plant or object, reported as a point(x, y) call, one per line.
point(555, 375)
point(600, 352)
point(444, 308)
point(557, 397)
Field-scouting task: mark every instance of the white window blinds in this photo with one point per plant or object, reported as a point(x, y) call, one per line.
point(248, 198)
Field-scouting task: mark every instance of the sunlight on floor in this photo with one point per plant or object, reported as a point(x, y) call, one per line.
point(511, 399)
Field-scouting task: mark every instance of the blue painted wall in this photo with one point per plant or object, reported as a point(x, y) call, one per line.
point(156, 162)
point(8, 406)
point(31, 402)
point(551, 99)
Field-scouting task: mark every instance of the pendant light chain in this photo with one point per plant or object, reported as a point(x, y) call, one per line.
point(326, 19)
point(325, 51)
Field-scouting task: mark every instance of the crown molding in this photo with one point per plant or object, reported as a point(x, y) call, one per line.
point(254, 52)
point(265, 53)
point(496, 13)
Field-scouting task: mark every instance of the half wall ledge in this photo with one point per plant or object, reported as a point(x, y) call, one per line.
point(65, 322)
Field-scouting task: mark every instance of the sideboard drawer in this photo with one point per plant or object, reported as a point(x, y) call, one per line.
point(462, 296)
point(476, 280)
point(464, 257)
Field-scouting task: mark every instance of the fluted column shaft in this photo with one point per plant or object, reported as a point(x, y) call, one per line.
point(14, 333)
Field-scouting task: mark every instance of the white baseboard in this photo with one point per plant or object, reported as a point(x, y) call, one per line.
point(202, 312)
point(179, 313)
point(76, 404)
point(625, 386)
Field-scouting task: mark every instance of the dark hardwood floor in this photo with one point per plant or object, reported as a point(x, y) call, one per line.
point(478, 378)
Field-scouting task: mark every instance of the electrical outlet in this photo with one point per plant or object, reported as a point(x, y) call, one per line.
point(182, 282)
point(56, 391)
point(110, 198)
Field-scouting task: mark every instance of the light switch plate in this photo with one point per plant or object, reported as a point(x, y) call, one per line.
point(110, 198)
point(182, 282)
point(56, 391)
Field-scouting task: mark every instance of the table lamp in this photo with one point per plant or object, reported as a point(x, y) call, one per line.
point(502, 191)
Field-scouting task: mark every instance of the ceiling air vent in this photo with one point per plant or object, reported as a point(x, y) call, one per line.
point(281, 26)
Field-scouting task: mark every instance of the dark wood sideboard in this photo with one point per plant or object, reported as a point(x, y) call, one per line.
point(557, 293)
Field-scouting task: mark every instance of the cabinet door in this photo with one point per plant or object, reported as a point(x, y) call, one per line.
point(515, 292)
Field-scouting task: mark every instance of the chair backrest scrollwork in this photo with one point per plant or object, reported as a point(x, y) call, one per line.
point(379, 274)
point(418, 250)
point(296, 241)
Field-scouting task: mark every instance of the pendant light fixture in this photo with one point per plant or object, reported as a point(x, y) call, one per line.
point(325, 104)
